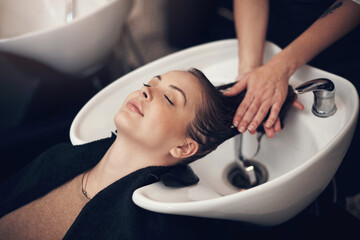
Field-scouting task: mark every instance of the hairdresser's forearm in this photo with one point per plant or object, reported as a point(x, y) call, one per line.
point(251, 18)
point(331, 26)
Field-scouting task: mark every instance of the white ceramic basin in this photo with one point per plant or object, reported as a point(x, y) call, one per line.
point(301, 160)
point(37, 30)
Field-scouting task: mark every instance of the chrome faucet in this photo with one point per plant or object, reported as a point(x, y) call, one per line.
point(324, 96)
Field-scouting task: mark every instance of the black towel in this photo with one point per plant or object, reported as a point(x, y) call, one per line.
point(111, 214)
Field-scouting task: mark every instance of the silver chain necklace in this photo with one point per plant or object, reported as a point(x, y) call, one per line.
point(83, 188)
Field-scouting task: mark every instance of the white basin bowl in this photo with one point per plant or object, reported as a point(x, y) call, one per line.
point(301, 160)
point(37, 30)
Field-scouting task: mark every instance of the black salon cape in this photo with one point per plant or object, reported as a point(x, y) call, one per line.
point(111, 214)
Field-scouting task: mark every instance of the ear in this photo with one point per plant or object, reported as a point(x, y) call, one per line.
point(187, 149)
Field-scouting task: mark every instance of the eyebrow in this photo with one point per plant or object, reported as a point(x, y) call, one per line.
point(175, 88)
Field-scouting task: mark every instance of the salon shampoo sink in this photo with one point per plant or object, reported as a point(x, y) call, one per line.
point(301, 160)
point(37, 30)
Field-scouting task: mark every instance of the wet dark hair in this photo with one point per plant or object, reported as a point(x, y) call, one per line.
point(213, 121)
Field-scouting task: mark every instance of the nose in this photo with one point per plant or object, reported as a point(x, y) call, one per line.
point(146, 93)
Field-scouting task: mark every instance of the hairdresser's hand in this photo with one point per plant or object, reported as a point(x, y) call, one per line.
point(267, 88)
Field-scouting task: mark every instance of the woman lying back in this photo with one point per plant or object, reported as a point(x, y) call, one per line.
point(85, 191)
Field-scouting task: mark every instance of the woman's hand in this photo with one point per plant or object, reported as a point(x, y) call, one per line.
point(267, 85)
point(267, 88)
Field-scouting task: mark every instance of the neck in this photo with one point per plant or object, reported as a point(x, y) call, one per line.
point(121, 159)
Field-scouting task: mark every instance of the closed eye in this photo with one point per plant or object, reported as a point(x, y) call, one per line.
point(146, 85)
point(167, 98)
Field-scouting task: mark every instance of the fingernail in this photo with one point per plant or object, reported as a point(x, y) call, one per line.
point(251, 128)
point(236, 123)
point(268, 125)
point(227, 91)
point(242, 129)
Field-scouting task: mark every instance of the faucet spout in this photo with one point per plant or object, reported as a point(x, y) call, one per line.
point(324, 96)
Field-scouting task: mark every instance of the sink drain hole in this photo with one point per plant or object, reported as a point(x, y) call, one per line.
point(239, 178)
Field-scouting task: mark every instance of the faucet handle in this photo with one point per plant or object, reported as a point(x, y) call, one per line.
point(324, 96)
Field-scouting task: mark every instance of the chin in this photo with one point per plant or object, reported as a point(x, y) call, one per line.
point(129, 125)
point(124, 121)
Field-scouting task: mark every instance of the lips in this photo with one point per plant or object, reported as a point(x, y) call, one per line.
point(135, 106)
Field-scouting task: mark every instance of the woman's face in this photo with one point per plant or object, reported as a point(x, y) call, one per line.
point(157, 115)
